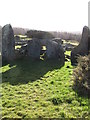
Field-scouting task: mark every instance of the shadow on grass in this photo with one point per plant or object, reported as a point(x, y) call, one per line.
point(25, 70)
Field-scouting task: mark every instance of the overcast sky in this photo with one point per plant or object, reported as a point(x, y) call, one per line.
point(50, 15)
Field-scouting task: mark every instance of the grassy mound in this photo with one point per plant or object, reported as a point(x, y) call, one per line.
point(81, 76)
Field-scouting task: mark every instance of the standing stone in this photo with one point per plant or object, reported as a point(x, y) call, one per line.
point(34, 48)
point(54, 51)
point(82, 48)
point(8, 43)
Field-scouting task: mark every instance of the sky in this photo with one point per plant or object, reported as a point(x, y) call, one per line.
point(49, 15)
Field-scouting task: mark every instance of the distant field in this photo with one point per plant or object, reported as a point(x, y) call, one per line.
point(73, 42)
point(40, 89)
point(23, 37)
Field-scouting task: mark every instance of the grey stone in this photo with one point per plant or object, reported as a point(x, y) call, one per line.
point(58, 40)
point(82, 48)
point(34, 48)
point(23, 50)
point(55, 51)
point(19, 54)
point(17, 38)
point(8, 43)
point(68, 46)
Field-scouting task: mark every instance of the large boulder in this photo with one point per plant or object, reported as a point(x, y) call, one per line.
point(54, 51)
point(34, 48)
point(8, 43)
point(82, 48)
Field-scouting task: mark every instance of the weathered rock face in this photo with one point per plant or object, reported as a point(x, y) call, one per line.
point(34, 48)
point(82, 48)
point(8, 43)
point(54, 51)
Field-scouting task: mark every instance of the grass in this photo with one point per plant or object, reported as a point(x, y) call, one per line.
point(40, 89)
point(73, 42)
point(23, 37)
point(68, 53)
point(17, 46)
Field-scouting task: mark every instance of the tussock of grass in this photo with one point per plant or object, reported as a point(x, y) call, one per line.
point(81, 76)
point(40, 89)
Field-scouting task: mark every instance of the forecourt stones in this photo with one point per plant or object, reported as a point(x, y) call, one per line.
point(32, 49)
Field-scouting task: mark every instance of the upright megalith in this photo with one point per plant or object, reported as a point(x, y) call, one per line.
point(8, 43)
point(54, 51)
point(82, 48)
point(34, 48)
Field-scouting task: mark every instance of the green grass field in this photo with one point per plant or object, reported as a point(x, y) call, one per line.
point(40, 89)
